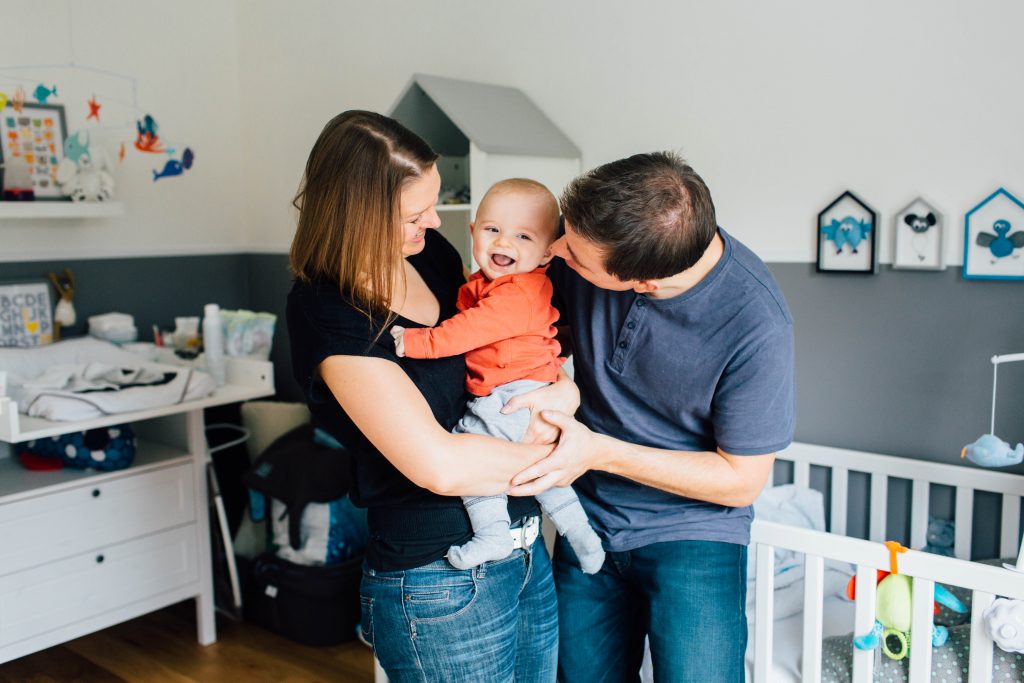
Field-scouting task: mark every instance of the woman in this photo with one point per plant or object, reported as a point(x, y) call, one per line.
point(365, 257)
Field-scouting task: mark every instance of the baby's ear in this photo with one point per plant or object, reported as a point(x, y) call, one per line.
point(548, 255)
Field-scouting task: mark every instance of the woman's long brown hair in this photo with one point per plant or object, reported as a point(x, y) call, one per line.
point(349, 228)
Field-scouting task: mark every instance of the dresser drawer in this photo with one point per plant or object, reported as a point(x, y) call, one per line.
point(38, 530)
point(55, 595)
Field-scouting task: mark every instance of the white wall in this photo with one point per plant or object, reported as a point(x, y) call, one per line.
point(779, 105)
point(184, 57)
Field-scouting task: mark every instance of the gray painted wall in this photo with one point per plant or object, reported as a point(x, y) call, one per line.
point(154, 290)
point(893, 363)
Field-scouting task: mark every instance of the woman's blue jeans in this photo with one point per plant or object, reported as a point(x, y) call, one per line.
point(496, 623)
point(688, 597)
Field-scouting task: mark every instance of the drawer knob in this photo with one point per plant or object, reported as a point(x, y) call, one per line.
point(95, 493)
point(99, 559)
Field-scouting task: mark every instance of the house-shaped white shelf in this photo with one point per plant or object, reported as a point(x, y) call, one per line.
point(484, 133)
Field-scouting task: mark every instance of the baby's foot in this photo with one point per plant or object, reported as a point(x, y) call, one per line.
point(479, 549)
point(587, 546)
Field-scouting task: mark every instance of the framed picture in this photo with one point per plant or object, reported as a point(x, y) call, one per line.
point(34, 137)
point(26, 318)
point(994, 239)
point(847, 230)
point(919, 237)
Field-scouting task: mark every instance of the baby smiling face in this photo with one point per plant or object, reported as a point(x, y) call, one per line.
point(515, 226)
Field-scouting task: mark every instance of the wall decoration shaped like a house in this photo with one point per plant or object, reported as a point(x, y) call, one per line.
point(919, 237)
point(994, 238)
point(847, 234)
point(484, 133)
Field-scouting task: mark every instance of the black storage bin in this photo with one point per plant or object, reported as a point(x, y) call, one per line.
point(313, 605)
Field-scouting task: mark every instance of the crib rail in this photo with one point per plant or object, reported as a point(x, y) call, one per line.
point(880, 468)
point(926, 569)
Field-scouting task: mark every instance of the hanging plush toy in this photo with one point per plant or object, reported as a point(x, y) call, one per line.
point(893, 610)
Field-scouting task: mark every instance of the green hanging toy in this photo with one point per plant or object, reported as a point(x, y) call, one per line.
point(893, 610)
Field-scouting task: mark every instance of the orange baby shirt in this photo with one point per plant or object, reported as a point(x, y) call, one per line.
point(505, 328)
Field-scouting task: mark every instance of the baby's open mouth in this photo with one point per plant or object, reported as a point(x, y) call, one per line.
point(501, 260)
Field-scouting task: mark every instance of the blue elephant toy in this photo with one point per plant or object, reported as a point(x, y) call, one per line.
point(991, 451)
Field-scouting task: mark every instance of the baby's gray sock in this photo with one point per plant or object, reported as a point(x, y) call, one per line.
point(491, 539)
point(564, 509)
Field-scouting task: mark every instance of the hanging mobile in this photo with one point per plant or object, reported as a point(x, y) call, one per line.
point(989, 450)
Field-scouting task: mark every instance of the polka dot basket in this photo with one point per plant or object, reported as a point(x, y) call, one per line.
point(106, 448)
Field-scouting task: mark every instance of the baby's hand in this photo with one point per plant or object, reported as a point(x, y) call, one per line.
point(399, 334)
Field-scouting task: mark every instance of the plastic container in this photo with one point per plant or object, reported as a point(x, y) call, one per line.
point(213, 343)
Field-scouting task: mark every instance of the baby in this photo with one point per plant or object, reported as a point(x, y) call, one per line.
point(506, 329)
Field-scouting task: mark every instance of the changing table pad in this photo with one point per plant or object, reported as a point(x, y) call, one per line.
point(27, 367)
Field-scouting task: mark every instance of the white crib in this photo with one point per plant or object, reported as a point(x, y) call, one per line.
point(985, 581)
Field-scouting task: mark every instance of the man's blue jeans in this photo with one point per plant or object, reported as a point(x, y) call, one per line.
point(687, 596)
point(497, 623)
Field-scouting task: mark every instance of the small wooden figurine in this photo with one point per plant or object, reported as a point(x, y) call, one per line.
point(64, 315)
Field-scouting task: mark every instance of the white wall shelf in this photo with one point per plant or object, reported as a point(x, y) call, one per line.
point(59, 209)
point(452, 207)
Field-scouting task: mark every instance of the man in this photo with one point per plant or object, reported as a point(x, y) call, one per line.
point(683, 350)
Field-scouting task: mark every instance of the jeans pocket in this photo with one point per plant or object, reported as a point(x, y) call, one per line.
point(366, 619)
point(439, 602)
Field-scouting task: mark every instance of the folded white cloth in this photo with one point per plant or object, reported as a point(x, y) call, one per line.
point(94, 377)
point(42, 383)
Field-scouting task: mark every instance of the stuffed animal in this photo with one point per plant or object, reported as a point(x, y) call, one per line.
point(893, 610)
point(991, 451)
point(84, 173)
point(64, 314)
point(1004, 620)
point(940, 537)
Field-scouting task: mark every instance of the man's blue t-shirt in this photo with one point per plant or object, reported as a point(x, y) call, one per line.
point(710, 368)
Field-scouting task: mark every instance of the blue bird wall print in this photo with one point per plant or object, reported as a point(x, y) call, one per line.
point(994, 238)
point(848, 231)
point(1002, 244)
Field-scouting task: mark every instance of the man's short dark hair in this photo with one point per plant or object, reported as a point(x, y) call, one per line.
point(650, 213)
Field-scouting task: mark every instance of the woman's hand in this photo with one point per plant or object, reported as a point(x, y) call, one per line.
point(562, 396)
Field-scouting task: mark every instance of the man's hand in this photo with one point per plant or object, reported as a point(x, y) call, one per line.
point(574, 455)
point(399, 334)
point(561, 396)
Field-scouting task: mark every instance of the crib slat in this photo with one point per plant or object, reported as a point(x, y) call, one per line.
point(919, 514)
point(839, 484)
point(814, 601)
point(1009, 535)
point(802, 474)
point(981, 644)
point(879, 507)
point(764, 618)
point(964, 522)
point(864, 621)
point(922, 604)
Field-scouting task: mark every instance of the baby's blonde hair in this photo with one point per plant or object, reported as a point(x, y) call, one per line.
point(532, 188)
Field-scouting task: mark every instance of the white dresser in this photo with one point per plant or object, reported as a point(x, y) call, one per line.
point(82, 550)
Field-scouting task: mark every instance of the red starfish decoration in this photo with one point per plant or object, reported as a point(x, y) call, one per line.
point(94, 109)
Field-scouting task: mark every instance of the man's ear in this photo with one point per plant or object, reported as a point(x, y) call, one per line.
point(646, 286)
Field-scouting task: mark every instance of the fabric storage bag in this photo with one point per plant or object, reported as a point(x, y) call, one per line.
point(313, 605)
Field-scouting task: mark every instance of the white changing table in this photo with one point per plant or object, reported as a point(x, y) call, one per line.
point(82, 550)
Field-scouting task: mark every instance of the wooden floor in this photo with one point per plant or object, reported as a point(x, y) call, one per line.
point(162, 647)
